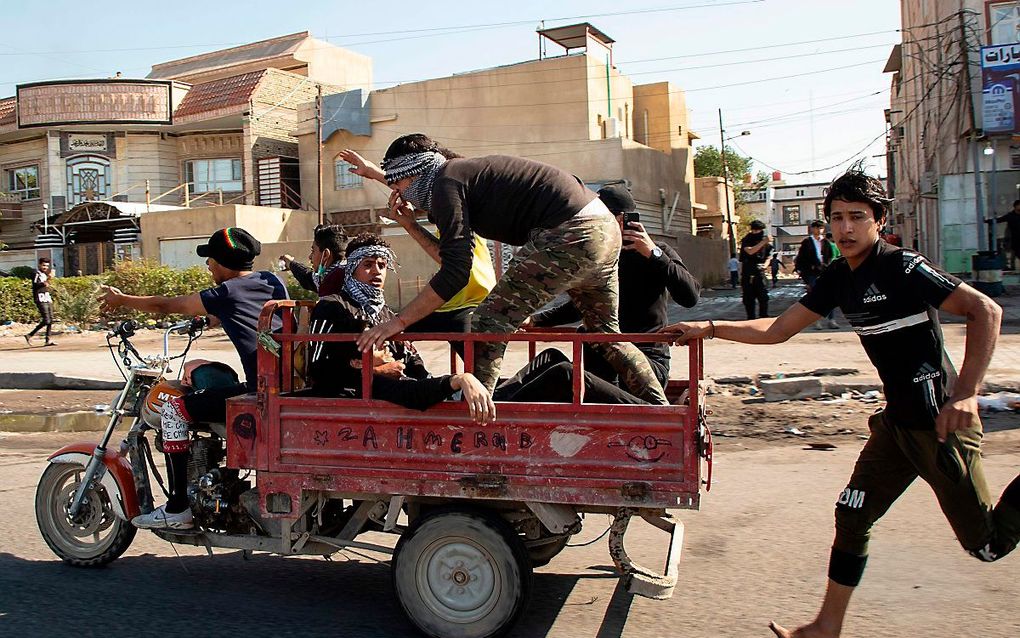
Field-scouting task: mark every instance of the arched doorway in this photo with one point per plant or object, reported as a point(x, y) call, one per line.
point(88, 179)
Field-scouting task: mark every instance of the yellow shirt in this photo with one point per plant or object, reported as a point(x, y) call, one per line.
point(480, 281)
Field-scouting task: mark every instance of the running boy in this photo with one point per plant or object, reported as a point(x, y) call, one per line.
point(930, 425)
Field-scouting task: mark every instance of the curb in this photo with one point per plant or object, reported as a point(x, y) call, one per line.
point(51, 381)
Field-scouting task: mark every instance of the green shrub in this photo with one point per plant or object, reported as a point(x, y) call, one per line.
point(76, 299)
point(16, 300)
point(23, 272)
point(149, 278)
point(294, 289)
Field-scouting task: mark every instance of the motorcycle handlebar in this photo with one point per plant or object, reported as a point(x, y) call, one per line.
point(124, 329)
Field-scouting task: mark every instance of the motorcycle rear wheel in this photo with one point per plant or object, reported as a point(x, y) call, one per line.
point(97, 536)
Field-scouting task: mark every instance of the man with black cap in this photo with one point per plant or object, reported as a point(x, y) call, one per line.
point(755, 249)
point(235, 302)
point(649, 273)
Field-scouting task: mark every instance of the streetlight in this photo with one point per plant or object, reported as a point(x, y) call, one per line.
point(726, 179)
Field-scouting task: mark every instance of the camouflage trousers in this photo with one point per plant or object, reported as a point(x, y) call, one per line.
point(579, 257)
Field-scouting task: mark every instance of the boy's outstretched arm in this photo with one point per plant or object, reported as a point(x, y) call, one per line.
point(770, 330)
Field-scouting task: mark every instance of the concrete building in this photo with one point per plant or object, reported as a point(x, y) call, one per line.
point(576, 111)
point(948, 167)
point(792, 208)
point(207, 129)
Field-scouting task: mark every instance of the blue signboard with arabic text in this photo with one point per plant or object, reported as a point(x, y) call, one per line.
point(1000, 76)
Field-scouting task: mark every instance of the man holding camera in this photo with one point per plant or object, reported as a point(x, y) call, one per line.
point(755, 248)
point(649, 273)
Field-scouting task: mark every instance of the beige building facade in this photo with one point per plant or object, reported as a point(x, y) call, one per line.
point(208, 129)
point(575, 111)
point(945, 170)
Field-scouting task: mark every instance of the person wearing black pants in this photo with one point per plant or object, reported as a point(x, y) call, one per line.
point(755, 249)
point(549, 378)
point(236, 302)
point(43, 300)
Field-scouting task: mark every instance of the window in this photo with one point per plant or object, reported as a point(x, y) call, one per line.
point(820, 210)
point(346, 179)
point(791, 215)
point(206, 176)
point(761, 196)
point(24, 181)
point(800, 193)
point(1004, 18)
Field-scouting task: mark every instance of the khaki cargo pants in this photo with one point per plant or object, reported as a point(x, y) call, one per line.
point(579, 257)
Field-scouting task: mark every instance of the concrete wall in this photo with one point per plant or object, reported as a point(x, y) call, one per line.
point(704, 257)
point(268, 225)
point(150, 157)
point(331, 64)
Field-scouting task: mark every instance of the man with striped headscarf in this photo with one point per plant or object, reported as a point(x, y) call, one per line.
point(399, 375)
point(570, 243)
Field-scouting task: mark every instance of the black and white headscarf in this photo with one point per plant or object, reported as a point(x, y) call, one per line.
point(425, 165)
point(368, 298)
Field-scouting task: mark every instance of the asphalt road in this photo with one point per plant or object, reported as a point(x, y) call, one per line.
point(756, 552)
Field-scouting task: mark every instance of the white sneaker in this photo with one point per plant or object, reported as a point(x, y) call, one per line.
point(160, 519)
point(833, 324)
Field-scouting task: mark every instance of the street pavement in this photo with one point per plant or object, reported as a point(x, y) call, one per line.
point(755, 552)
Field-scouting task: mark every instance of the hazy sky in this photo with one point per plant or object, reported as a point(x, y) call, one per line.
point(824, 115)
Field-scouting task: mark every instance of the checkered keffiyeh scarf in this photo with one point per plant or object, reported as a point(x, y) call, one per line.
point(368, 298)
point(425, 165)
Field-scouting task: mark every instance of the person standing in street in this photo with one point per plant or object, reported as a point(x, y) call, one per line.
point(930, 426)
point(815, 254)
point(755, 249)
point(1012, 221)
point(775, 264)
point(43, 300)
point(734, 267)
point(650, 274)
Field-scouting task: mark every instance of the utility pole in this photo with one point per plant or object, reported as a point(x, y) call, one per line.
point(318, 151)
point(726, 186)
point(975, 153)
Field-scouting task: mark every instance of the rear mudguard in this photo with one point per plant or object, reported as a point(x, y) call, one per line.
point(117, 479)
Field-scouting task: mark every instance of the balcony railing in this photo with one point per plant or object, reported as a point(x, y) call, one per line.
point(10, 206)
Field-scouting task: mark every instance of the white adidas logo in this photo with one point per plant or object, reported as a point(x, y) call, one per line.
point(926, 373)
point(873, 294)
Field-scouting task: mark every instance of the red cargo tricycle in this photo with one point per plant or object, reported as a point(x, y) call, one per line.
point(474, 508)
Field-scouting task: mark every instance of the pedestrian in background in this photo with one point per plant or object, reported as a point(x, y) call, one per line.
point(775, 263)
point(755, 249)
point(734, 267)
point(815, 254)
point(43, 300)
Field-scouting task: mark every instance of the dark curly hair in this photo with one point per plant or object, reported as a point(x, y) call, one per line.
point(417, 143)
point(330, 237)
point(857, 186)
point(366, 239)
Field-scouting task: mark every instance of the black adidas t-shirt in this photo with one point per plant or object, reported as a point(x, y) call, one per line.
point(891, 301)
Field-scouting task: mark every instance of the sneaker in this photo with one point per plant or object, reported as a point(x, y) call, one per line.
point(49, 343)
point(833, 324)
point(160, 519)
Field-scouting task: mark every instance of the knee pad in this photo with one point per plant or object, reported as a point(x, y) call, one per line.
point(174, 422)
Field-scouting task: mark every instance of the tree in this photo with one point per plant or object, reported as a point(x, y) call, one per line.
point(708, 162)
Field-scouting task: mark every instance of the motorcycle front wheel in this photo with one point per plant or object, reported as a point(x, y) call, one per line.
point(93, 538)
